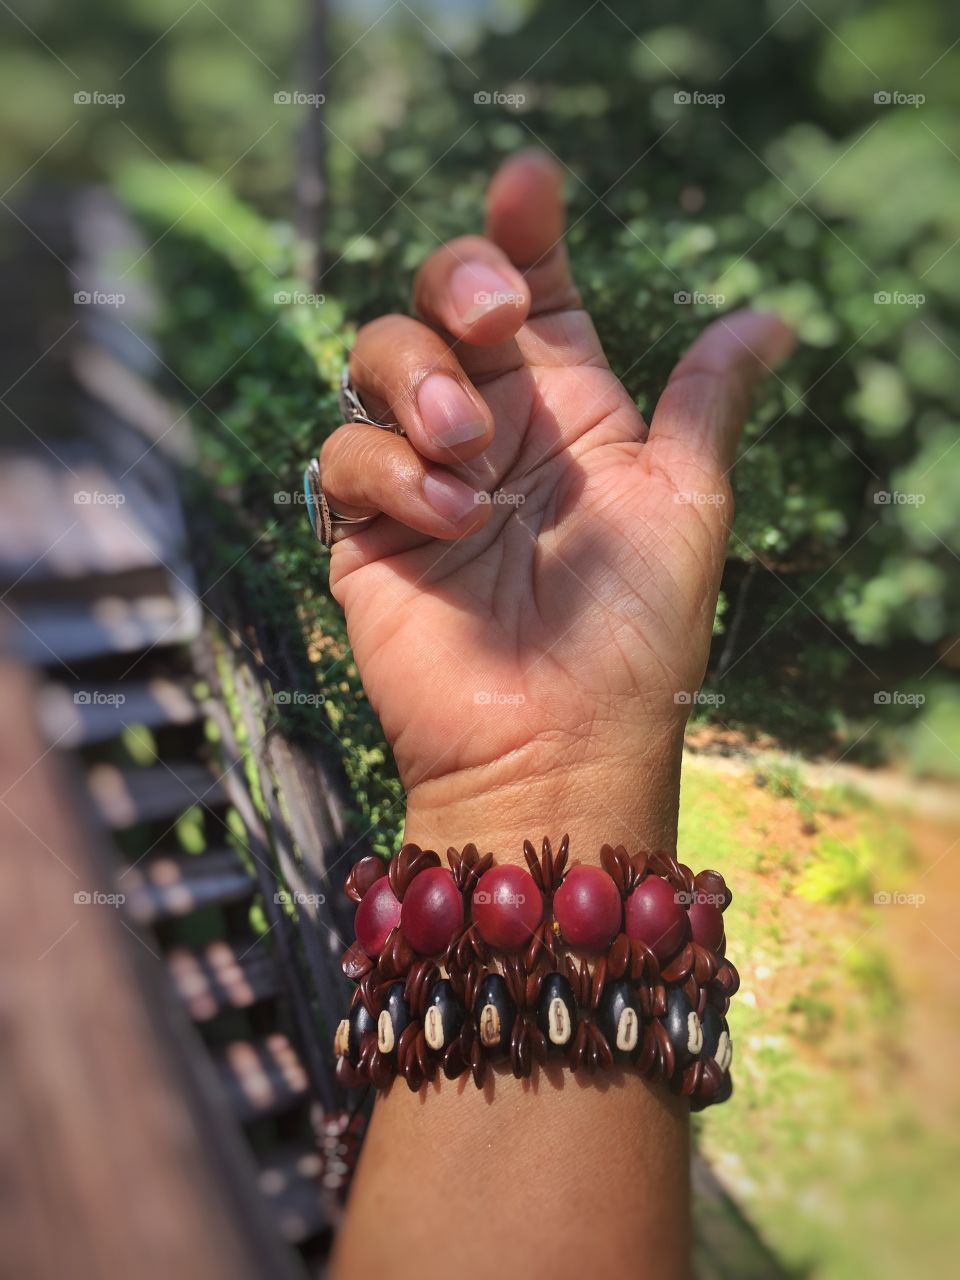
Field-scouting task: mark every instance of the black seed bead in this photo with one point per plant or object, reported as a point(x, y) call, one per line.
point(397, 1009)
point(678, 1025)
point(450, 1010)
point(496, 1029)
point(556, 987)
point(361, 1024)
point(617, 999)
point(713, 1023)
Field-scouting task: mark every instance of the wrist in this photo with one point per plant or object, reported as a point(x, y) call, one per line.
point(624, 792)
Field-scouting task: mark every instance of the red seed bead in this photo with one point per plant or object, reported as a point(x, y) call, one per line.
point(654, 915)
point(432, 911)
point(377, 914)
point(706, 924)
point(588, 909)
point(507, 907)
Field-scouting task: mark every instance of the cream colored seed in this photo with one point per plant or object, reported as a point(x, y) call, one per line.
point(558, 1022)
point(628, 1030)
point(385, 1037)
point(433, 1028)
point(489, 1026)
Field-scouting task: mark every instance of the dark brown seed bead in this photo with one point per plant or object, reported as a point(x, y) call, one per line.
point(382, 1069)
point(712, 885)
point(453, 1061)
point(409, 862)
point(355, 962)
point(549, 871)
point(603, 1050)
point(348, 1077)
point(618, 957)
point(560, 861)
point(362, 875)
point(648, 1050)
point(667, 1056)
point(478, 1064)
point(533, 863)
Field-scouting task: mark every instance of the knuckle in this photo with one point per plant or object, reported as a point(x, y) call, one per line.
point(374, 330)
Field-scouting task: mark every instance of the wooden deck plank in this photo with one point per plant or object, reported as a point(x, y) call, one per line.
point(119, 1159)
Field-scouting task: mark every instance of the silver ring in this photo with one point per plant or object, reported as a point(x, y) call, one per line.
point(326, 523)
point(352, 408)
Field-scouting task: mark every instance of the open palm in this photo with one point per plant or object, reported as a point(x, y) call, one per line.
point(577, 597)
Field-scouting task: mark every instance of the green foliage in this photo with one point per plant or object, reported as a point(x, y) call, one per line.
point(798, 192)
point(782, 197)
point(837, 873)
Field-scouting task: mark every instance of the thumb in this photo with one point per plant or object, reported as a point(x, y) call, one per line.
point(707, 397)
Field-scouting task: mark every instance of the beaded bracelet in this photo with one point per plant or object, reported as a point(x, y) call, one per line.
point(589, 966)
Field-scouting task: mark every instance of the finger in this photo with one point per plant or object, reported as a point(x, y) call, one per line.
point(470, 289)
point(405, 371)
point(525, 217)
point(366, 471)
point(705, 402)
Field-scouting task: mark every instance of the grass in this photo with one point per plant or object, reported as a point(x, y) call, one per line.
point(824, 1145)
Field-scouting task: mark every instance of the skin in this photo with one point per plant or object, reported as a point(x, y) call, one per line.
point(532, 660)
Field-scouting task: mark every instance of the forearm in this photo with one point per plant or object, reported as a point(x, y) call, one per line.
point(560, 1174)
point(557, 1176)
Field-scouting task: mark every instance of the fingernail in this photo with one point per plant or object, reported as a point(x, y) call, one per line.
point(476, 289)
point(449, 497)
point(448, 413)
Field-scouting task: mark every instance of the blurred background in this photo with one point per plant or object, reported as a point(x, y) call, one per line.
point(202, 201)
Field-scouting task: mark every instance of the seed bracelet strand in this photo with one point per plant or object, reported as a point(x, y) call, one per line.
point(461, 969)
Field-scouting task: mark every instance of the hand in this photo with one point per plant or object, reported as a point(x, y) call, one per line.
point(531, 614)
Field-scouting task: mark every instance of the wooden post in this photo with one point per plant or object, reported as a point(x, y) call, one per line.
point(311, 179)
